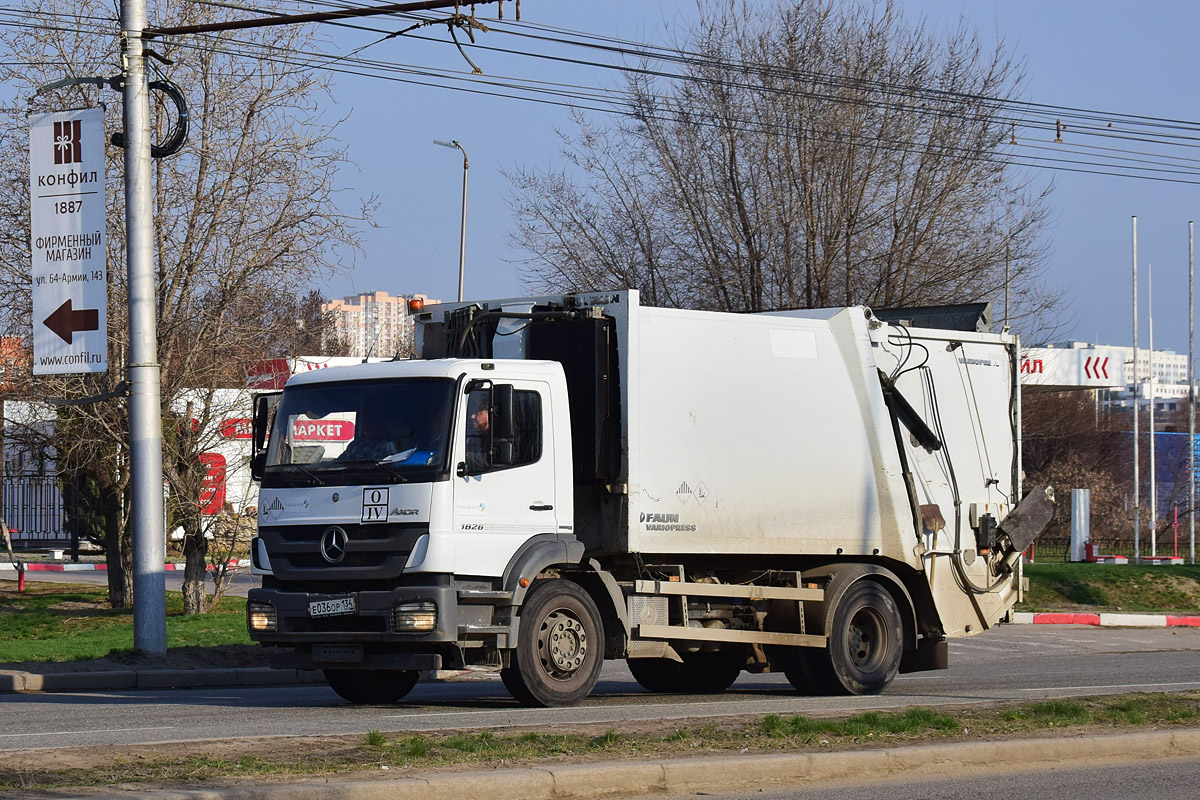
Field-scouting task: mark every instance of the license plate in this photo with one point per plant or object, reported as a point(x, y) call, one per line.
point(333, 608)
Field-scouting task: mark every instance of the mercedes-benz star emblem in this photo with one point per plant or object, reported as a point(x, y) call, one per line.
point(333, 544)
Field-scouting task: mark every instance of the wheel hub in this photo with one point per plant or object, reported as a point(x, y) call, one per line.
point(562, 644)
point(863, 639)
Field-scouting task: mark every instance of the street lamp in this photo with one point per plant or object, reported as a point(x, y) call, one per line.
point(462, 235)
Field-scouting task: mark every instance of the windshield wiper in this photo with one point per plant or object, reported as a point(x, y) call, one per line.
point(315, 477)
point(366, 463)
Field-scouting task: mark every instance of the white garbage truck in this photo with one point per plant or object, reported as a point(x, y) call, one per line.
point(559, 480)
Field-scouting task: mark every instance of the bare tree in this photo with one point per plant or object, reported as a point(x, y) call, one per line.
point(805, 153)
point(1067, 444)
point(246, 217)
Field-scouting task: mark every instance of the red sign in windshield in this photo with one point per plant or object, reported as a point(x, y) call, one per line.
point(322, 430)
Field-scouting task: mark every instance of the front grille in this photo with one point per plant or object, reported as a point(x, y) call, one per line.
point(350, 560)
point(372, 551)
point(313, 533)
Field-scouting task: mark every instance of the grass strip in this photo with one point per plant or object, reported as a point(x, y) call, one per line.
point(404, 754)
point(1130, 588)
point(66, 622)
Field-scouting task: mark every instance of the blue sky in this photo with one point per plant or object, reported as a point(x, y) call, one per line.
point(1098, 55)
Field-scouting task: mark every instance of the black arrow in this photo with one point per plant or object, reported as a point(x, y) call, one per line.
point(65, 322)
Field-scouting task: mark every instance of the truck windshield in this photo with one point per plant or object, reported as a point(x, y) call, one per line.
point(400, 427)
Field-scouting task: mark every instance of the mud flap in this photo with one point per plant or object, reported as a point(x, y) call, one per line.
point(929, 654)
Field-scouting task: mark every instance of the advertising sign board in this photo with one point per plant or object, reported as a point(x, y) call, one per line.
point(67, 235)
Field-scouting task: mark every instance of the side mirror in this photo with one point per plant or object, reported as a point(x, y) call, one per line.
point(264, 410)
point(258, 464)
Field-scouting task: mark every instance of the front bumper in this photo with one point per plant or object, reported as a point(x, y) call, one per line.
point(372, 623)
point(368, 639)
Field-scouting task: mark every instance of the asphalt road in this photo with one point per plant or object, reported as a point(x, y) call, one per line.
point(1012, 662)
point(1173, 779)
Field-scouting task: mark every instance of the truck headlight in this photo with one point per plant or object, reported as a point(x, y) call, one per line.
point(262, 617)
point(414, 617)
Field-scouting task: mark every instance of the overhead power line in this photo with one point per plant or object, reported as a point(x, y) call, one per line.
point(1075, 157)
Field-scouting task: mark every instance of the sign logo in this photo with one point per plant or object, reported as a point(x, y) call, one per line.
point(275, 505)
point(333, 544)
point(68, 142)
point(1094, 367)
point(375, 505)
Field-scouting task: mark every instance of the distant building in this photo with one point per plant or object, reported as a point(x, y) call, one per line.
point(375, 323)
point(15, 361)
point(1169, 387)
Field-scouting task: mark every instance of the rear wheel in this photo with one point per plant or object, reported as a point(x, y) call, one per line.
point(865, 645)
point(372, 686)
point(699, 673)
point(560, 646)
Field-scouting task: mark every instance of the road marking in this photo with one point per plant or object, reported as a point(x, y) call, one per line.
point(1112, 686)
point(1040, 643)
point(73, 733)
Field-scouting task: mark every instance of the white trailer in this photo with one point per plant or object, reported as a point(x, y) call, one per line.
point(813, 492)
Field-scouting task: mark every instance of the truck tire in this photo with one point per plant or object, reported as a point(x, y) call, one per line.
point(700, 673)
point(560, 646)
point(865, 645)
point(372, 686)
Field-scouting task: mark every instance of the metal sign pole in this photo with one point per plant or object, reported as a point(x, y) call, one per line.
point(145, 412)
point(1150, 383)
point(1137, 550)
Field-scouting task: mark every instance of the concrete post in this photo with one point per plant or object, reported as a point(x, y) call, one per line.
point(1081, 522)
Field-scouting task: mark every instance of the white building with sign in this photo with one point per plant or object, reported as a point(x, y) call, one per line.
point(1080, 365)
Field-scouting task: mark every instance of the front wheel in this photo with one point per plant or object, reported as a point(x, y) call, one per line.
point(372, 686)
point(560, 646)
point(865, 646)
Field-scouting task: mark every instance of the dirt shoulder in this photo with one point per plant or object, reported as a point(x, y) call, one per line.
point(373, 755)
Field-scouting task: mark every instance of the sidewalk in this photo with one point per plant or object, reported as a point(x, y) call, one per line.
point(106, 680)
point(710, 774)
point(1106, 620)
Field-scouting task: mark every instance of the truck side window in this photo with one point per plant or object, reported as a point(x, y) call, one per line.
point(527, 422)
point(527, 431)
point(479, 434)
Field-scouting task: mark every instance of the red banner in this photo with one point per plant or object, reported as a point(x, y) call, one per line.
point(237, 428)
point(212, 493)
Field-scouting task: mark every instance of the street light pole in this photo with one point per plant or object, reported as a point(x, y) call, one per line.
point(462, 231)
point(145, 415)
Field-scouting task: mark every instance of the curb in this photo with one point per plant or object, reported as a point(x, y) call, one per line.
point(717, 773)
point(93, 566)
point(33, 682)
point(16, 681)
point(1106, 620)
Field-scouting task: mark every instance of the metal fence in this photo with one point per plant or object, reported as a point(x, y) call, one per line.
point(32, 506)
point(1057, 548)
